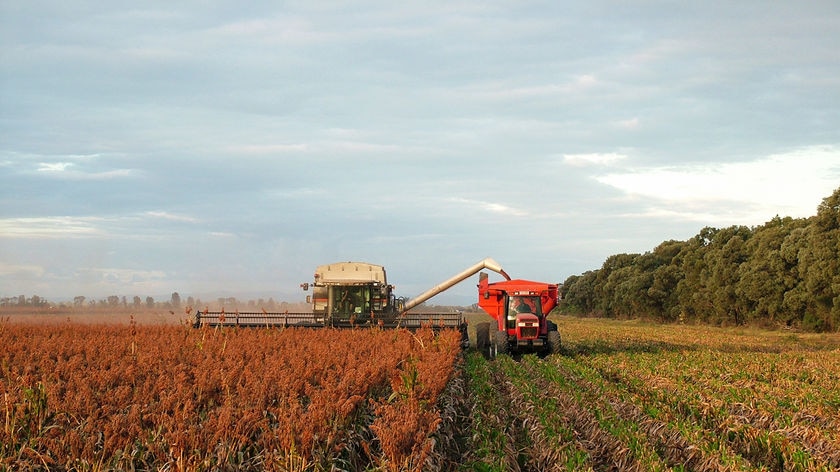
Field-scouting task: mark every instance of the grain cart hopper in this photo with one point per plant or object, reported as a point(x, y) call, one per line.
point(356, 294)
point(520, 308)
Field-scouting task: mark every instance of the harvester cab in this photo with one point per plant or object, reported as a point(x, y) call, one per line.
point(520, 309)
point(352, 294)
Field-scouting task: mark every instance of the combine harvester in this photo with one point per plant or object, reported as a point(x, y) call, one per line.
point(357, 295)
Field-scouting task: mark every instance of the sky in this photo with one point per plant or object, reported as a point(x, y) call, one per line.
point(228, 148)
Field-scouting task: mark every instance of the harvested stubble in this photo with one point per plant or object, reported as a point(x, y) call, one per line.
point(631, 395)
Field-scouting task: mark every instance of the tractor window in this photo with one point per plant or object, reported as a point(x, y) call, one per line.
point(524, 305)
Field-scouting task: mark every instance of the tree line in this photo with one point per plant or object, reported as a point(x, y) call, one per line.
point(783, 273)
point(174, 302)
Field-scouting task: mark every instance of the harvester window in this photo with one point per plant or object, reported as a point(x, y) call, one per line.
point(352, 299)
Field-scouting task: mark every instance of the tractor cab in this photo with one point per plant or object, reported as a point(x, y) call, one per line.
point(523, 316)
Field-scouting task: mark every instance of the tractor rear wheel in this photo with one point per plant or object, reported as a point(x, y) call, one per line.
point(482, 338)
point(500, 342)
point(553, 341)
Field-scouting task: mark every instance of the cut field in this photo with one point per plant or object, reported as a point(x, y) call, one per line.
point(633, 396)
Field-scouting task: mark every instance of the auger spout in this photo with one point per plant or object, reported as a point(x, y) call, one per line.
point(487, 263)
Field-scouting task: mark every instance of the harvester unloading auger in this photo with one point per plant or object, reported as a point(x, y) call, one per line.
point(357, 294)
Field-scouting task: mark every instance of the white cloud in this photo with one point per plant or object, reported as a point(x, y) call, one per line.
point(789, 184)
point(172, 217)
point(51, 227)
point(62, 170)
point(594, 159)
point(54, 166)
point(490, 207)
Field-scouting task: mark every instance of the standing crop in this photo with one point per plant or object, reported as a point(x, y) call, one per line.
point(92, 397)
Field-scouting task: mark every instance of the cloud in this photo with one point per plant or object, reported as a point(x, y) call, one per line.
point(490, 207)
point(259, 149)
point(71, 167)
point(26, 271)
point(632, 123)
point(56, 170)
point(77, 227)
point(171, 217)
point(505, 90)
point(53, 167)
point(52, 227)
point(594, 159)
point(788, 184)
point(122, 276)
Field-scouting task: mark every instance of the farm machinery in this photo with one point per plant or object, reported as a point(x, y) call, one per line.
point(520, 309)
point(356, 294)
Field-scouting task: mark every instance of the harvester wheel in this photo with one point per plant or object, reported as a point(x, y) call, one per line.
point(500, 342)
point(553, 342)
point(482, 338)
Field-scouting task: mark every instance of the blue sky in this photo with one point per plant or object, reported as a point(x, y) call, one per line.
point(220, 148)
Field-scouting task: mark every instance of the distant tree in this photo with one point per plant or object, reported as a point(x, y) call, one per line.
point(175, 300)
point(150, 302)
point(786, 271)
point(579, 293)
point(137, 301)
point(78, 300)
point(113, 300)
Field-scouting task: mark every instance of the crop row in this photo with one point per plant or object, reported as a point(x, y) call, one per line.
point(630, 396)
point(126, 397)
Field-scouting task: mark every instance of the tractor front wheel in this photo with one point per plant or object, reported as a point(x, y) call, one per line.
point(500, 341)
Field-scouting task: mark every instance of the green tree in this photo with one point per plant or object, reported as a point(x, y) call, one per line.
point(820, 266)
point(766, 276)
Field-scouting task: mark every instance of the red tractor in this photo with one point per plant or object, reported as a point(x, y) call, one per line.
point(520, 308)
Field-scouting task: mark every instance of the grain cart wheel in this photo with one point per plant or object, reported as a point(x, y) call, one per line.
point(553, 342)
point(500, 342)
point(482, 338)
